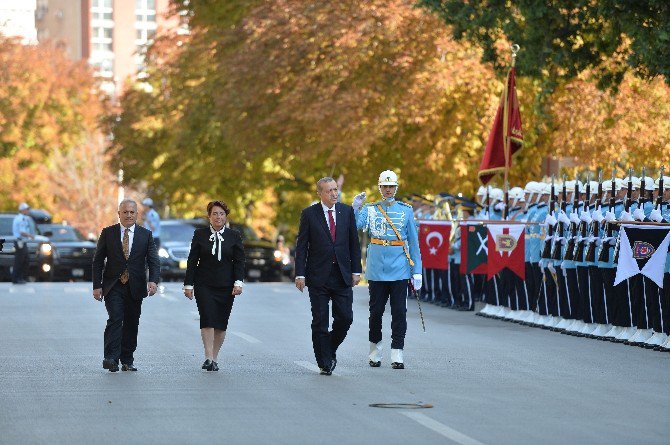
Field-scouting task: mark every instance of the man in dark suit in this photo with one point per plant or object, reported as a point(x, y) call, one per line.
point(119, 276)
point(328, 262)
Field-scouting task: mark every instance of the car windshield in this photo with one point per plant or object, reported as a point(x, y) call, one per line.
point(61, 233)
point(181, 233)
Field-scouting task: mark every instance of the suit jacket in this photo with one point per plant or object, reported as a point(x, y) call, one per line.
point(109, 261)
point(315, 250)
point(203, 267)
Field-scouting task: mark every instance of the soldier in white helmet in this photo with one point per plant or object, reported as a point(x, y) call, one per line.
point(393, 259)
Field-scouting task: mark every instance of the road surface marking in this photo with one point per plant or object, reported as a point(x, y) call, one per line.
point(246, 337)
point(440, 428)
point(21, 289)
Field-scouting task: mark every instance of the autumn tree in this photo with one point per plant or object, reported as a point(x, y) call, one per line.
point(52, 152)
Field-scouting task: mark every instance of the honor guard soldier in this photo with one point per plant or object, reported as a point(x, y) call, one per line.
point(393, 259)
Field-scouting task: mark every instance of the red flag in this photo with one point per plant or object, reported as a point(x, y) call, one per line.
point(434, 244)
point(506, 137)
point(507, 249)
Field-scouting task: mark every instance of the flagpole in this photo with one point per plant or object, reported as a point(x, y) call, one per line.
point(506, 140)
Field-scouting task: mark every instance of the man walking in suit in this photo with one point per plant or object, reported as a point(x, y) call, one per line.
point(328, 262)
point(119, 276)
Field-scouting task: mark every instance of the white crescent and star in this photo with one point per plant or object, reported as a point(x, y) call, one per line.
point(431, 235)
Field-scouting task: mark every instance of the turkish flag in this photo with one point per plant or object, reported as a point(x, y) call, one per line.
point(506, 247)
point(506, 137)
point(434, 244)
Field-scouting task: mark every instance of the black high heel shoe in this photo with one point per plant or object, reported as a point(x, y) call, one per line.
point(207, 364)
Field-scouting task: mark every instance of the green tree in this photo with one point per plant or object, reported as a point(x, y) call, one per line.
point(561, 39)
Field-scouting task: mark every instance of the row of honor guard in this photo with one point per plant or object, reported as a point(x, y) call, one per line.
point(571, 260)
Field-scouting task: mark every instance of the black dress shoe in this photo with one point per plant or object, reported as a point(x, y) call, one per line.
point(333, 364)
point(213, 366)
point(374, 364)
point(396, 365)
point(110, 365)
point(207, 364)
point(325, 371)
point(128, 367)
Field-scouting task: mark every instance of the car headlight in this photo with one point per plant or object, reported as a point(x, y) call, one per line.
point(46, 249)
point(163, 253)
point(278, 255)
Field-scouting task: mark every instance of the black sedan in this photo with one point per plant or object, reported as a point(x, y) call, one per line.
point(263, 261)
point(72, 252)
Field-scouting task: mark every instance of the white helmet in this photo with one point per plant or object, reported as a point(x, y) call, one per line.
point(388, 177)
point(620, 183)
point(649, 183)
point(517, 193)
point(496, 194)
point(594, 186)
point(607, 185)
point(531, 187)
point(636, 181)
point(148, 202)
point(666, 183)
point(545, 188)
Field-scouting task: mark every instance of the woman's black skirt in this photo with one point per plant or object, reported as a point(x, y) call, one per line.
point(214, 305)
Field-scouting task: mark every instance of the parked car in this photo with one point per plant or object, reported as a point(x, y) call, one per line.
point(263, 261)
point(72, 252)
point(40, 252)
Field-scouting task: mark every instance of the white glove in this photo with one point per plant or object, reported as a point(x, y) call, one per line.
point(638, 214)
point(417, 281)
point(609, 216)
point(500, 206)
point(609, 239)
point(598, 216)
point(574, 218)
point(586, 217)
point(358, 201)
point(550, 220)
point(562, 217)
point(656, 215)
point(625, 216)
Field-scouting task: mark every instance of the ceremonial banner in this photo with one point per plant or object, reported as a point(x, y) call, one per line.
point(506, 137)
point(507, 249)
point(642, 249)
point(434, 244)
point(474, 250)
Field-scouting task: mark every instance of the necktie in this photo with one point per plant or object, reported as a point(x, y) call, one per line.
point(126, 253)
point(331, 223)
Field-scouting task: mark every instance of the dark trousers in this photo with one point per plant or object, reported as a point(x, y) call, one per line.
point(622, 303)
point(124, 318)
point(20, 263)
point(380, 293)
point(665, 304)
point(581, 305)
point(596, 296)
point(611, 313)
point(654, 306)
point(325, 342)
point(454, 284)
point(548, 304)
point(467, 291)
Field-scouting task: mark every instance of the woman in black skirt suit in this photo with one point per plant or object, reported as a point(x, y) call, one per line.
point(214, 275)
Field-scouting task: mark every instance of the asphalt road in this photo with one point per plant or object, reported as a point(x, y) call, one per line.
point(489, 381)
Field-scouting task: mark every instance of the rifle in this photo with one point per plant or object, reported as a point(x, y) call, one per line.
point(626, 206)
point(488, 201)
point(604, 254)
point(659, 198)
point(546, 249)
point(594, 230)
point(570, 248)
point(506, 197)
point(583, 228)
point(558, 242)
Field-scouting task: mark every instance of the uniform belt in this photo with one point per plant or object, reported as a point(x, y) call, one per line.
point(387, 242)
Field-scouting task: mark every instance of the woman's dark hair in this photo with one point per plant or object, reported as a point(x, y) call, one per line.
point(221, 204)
